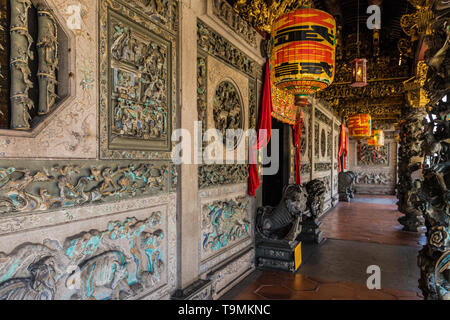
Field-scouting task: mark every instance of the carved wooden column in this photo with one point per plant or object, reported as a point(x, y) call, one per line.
point(434, 258)
point(410, 160)
point(21, 53)
point(47, 47)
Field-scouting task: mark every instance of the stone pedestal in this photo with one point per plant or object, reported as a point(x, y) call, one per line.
point(278, 255)
point(311, 231)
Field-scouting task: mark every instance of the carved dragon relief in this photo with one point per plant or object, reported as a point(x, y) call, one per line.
point(123, 261)
point(27, 190)
point(223, 224)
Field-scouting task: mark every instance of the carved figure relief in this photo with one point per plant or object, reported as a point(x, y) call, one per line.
point(374, 157)
point(140, 104)
point(228, 113)
point(224, 223)
point(137, 79)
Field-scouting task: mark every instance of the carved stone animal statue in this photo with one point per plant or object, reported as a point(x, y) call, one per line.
point(316, 196)
point(346, 184)
point(101, 277)
point(283, 222)
point(39, 286)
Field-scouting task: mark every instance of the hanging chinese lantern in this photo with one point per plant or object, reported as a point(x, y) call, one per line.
point(359, 66)
point(303, 54)
point(359, 73)
point(360, 127)
point(376, 141)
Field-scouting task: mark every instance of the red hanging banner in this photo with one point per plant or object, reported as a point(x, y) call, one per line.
point(343, 147)
point(264, 132)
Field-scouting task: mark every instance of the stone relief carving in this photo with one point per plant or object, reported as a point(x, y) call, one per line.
point(222, 277)
point(211, 175)
point(118, 263)
point(372, 157)
point(232, 19)
point(382, 178)
point(21, 54)
point(228, 111)
point(323, 143)
point(28, 190)
point(202, 82)
point(322, 167)
point(223, 224)
point(137, 79)
point(214, 44)
point(252, 105)
point(139, 100)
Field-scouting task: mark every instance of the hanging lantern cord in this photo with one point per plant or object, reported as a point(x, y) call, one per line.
point(357, 28)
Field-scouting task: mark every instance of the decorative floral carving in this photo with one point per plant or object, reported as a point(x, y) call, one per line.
point(211, 175)
point(227, 14)
point(214, 44)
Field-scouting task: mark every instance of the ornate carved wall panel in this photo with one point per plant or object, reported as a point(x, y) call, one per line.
point(225, 277)
point(375, 175)
point(220, 66)
point(227, 15)
point(372, 157)
point(223, 224)
point(41, 186)
point(130, 257)
point(137, 80)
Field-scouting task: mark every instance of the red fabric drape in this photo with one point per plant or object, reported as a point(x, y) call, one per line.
point(297, 130)
point(343, 147)
point(264, 132)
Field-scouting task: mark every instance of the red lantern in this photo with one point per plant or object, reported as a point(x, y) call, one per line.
point(359, 73)
point(360, 127)
point(303, 55)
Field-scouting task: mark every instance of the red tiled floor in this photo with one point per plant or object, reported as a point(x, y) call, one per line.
point(369, 222)
point(299, 287)
point(357, 221)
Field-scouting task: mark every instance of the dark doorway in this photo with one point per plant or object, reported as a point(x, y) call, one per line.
point(273, 185)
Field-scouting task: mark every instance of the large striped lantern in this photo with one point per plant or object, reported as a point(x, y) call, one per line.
point(303, 53)
point(360, 127)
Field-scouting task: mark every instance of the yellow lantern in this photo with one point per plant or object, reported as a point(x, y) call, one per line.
point(303, 54)
point(377, 139)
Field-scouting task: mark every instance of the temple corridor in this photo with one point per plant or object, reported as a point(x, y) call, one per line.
point(361, 233)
